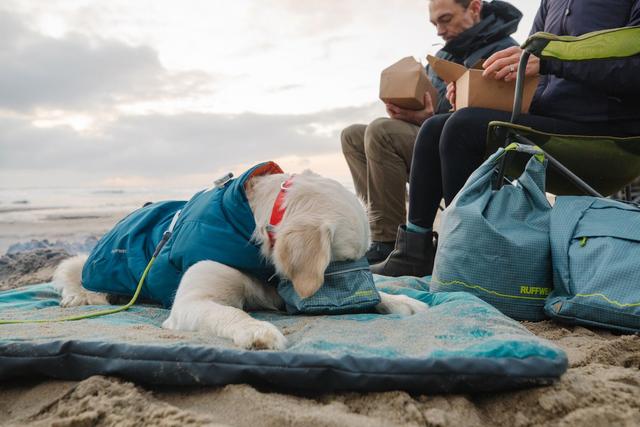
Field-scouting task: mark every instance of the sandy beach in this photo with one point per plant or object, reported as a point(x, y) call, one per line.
point(601, 387)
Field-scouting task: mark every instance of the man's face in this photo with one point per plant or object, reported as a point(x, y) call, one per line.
point(451, 19)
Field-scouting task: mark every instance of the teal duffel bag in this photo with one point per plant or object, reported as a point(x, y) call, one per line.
point(495, 243)
point(595, 246)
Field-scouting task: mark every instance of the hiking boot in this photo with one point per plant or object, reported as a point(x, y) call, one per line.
point(378, 252)
point(413, 255)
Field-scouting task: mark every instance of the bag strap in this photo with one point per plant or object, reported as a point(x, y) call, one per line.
point(504, 157)
point(534, 150)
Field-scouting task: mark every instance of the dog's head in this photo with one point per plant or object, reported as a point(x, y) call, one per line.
point(323, 222)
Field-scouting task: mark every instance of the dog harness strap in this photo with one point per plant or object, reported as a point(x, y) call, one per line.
point(278, 210)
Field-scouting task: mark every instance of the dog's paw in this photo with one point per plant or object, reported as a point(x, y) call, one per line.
point(400, 304)
point(170, 323)
point(83, 298)
point(259, 335)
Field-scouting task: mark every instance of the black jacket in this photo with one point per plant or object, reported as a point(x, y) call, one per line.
point(593, 91)
point(492, 34)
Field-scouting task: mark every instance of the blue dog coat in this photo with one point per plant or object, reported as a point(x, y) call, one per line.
point(214, 225)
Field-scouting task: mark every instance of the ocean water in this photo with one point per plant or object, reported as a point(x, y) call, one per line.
point(72, 218)
point(37, 204)
point(69, 218)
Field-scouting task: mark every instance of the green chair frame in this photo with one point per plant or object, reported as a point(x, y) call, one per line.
point(606, 164)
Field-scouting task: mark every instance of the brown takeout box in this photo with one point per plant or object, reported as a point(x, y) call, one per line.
point(473, 90)
point(404, 84)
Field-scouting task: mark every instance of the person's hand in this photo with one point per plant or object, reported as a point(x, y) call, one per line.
point(451, 94)
point(503, 65)
point(416, 117)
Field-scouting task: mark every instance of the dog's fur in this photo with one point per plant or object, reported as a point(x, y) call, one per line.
point(323, 222)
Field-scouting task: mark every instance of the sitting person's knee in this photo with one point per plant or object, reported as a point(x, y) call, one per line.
point(427, 140)
point(348, 138)
point(376, 133)
point(378, 126)
point(461, 117)
point(459, 132)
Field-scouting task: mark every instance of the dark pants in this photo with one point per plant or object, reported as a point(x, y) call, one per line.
point(449, 147)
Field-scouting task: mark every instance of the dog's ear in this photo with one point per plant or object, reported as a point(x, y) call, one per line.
point(302, 253)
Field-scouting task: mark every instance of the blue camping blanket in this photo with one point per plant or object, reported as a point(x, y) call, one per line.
point(461, 344)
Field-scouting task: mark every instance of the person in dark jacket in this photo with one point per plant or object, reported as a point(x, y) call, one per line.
point(588, 98)
point(379, 154)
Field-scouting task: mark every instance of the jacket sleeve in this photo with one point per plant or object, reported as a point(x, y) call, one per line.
point(616, 77)
point(538, 21)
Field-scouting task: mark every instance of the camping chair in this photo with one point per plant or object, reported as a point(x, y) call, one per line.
point(630, 192)
point(594, 165)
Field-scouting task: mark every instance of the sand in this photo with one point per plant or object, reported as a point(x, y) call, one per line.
point(601, 387)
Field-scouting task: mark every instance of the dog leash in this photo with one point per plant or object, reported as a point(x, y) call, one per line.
point(165, 238)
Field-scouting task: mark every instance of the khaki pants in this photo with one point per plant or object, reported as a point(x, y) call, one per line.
point(379, 157)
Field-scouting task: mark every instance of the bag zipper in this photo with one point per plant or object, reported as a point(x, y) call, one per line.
point(351, 270)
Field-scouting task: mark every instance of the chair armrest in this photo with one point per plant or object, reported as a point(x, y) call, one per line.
point(605, 44)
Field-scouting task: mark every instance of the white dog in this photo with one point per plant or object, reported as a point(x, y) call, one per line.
point(323, 222)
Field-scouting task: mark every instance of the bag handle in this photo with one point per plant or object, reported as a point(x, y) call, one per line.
point(534, 150)
point(484, 176)
point(504, 157)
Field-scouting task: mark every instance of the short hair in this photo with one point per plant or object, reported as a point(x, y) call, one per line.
point(463, 3)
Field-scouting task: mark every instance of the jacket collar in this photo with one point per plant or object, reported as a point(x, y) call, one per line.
point(235, 205)
point(499, 20)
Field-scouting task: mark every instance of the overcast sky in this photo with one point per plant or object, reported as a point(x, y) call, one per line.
point(166, 92)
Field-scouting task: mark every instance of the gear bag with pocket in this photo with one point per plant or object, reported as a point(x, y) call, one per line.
point(595, 247)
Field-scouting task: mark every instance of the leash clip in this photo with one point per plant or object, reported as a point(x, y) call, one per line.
point(220, 182)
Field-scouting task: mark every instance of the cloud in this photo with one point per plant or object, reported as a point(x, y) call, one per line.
point(48, 83)
point(326, 17)
point(283, 88)
point(303, 19)
point(77, 73)
point(172, 145)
